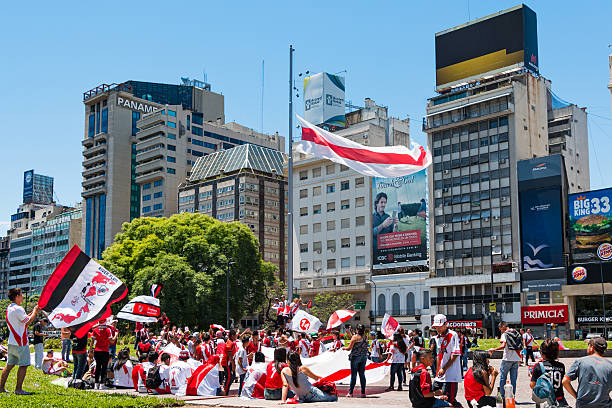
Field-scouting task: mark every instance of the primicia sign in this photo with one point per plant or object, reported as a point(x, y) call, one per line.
point(544, 314)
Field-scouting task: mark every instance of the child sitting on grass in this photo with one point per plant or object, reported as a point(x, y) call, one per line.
point(54, 366)
point(420, 386)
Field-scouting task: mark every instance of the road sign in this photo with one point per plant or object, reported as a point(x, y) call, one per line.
point(360, 304)
point(492, 307)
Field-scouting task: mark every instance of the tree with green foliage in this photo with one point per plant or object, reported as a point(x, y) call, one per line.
point(272, 290)
point(324, 304)
point(189, 255)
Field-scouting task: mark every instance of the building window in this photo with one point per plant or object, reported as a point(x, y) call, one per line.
point(331, 207)
point(303, 211)
point(359, 221)
point(158, 206)
point(345, 243)
point(331, 245)
point(104, 128)
point(304, 175)
point(171, 113)
point(146, 209)
point(157, 183)
point(345, 223)
point(381, 307)
point(331, 188)
point(316, 209)
point(316, 191)
point(303, 229)
point(303, 248)
point(395, 304)
point(317, 246)
point(146, 186)
point(331, 225)
point(171, 159)
point(171, 171)
point(316, 266)
point(146, 197)
point(172, 148)
point(345, 263)
point(359, 202)
point(171, 124)
point(158, 194)
point(345, 205)
point(331, 264)
point(316, 172)
point(410, 309)
point(330, 169)
point(359, 182)
point(303, 266)
point(303, 193)
point(360, 241)
point(360, 261)
point(425, 299)
point(91, 128)
point(544, 298)
point(343, 167)
point(316, 227)
point(171, 136)
point(344, 185)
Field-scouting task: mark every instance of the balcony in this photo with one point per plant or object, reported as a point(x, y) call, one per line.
point(157, 152)
point(151, 120)
point(92, 151)
point(155, 140)
point(101, 169)
point(87, 142)
point(353, 288)
point(93, 190)
point(99, 158)
point(150, 176)
point(94, 180)
point(398, 313)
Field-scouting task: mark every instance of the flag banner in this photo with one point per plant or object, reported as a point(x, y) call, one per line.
point(79, 293)
point(389, 326)
point(339, 317)
point(155, 289)
point(143, 309)
point(335, 366)
point(217, 327)
point(386, 161)
point(205, 379)
point(305, 323)
point(254, 382)
point(309, 304)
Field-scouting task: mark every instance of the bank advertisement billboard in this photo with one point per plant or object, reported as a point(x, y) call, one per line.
point(489, 45)
point(28, 186)
point(590, 223)
point(324, 100)
point(399, 236)
point(541, 228)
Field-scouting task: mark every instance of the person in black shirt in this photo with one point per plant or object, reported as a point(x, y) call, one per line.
point(79, 355)
point(555, 369)
point(38, 341)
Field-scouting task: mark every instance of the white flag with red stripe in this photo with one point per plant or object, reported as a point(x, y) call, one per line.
point(305, 323)
point(339, 317)
point(143, 309)
point(389, 325)
point(387, 161)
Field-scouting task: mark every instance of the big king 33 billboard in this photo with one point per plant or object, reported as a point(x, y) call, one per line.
point(590, 223)
point(399, 234)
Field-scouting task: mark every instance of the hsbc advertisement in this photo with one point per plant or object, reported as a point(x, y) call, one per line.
point(544, 314)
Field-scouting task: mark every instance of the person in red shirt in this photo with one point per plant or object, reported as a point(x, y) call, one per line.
point(274, 382)
point(253, 347)
point(102, 335)
point(315, 346)
point(420, 389)
point(227, 361)
point(479, 381)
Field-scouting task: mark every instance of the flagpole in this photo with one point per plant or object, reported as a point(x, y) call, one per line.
point(290, 183)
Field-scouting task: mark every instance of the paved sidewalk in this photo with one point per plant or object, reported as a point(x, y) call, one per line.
point(376, 395)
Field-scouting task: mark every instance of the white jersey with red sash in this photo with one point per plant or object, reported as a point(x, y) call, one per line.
point(16, 320)
point(336, 345)
point(304, 348)
point(448, 345)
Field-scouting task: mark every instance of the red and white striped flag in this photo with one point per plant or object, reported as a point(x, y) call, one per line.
point(155, 289)
point(387, 161)
point(389, 326)
point(79, 293)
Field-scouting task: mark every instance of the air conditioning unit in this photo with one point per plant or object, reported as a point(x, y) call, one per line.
point(318, 270)
point(502, 161)
point(365, 136)
point(333, 249)
point(504, 199)
point(496, 217)
point(445, 190)
point(440, 261)
point(446, 171)
point(310, 284)
point(505, 256)
point(466, 222)
point(494, 238)
point(318, 251)
point(485, 219)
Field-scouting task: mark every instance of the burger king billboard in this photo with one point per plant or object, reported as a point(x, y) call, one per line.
point(591, 225)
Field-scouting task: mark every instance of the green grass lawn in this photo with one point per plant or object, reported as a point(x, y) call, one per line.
point(47, 395)
point(490, 343)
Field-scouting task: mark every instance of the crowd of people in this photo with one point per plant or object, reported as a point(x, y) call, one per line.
point(431, 371)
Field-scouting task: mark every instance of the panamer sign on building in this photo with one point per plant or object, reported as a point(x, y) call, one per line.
point(132, 104)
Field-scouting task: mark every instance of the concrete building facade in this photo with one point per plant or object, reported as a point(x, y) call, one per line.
point(110, 193)
point(245, 184)
point(4, 266)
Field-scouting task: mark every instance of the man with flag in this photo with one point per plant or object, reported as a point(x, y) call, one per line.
point(18, 349)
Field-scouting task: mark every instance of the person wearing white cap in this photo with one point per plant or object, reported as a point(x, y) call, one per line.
point(448, 370)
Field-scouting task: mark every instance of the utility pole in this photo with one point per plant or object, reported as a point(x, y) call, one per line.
point(227, 307)
point(290, 183)
point(492, 301)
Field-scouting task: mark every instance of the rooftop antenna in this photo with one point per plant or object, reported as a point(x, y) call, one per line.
point(262, 95)
point(205, 77)
point(468, 7)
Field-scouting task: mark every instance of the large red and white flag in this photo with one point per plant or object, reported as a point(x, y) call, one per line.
point(305, 323)
point(339, 317)
point(389, 325)
point(143, 309)
point(79, 293)
point(386, 161)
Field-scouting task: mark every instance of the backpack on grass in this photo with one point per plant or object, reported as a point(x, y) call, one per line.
point(514, 340)
point(153, 380)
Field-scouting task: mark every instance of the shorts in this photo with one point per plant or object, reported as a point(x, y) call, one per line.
point(18, 355)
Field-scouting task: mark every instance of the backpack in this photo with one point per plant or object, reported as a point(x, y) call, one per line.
point(514, 340)
point(544, 391)
point(328, 387)
point(77, 384)
point(153, 380)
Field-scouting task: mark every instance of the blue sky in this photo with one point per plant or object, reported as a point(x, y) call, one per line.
point(54, 52)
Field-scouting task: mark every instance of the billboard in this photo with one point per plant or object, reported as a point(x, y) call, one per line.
point(497, 43)
point(399, 235)
point(544, 314)
point(541, 228)
point(588, 273)
point(28, 186)
point(324, 100)
point(590, 223)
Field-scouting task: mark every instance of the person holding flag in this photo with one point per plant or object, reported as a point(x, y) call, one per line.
point(18, 353)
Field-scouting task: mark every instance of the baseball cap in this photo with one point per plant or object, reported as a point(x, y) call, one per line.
point(599, 344)
point(184, 354)
point(439, 320)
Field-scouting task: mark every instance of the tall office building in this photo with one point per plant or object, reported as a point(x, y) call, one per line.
point(168, 144)
point(246, 184)
point(110, 193)
point(37, 188)
point(4, 266)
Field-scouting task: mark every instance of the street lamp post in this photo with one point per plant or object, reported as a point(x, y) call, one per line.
point(492, 313)
point(290, 183)
point(227, 308)
point(375, 314)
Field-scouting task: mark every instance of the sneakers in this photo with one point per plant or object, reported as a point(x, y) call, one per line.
point(103, 387)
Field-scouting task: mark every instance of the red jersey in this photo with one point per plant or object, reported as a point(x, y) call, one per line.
point(315, 348)
point(274, 380)
point(102, 335)
point(229, 352)
point(473, 389)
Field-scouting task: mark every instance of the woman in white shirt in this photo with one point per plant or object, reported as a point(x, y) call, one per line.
point(397, 355)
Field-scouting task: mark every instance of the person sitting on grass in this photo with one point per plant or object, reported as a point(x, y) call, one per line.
point(479, 381)
point(3, 351)
point(295, 377)
point(54, 366)
point(122, 370)
point(420, 385)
